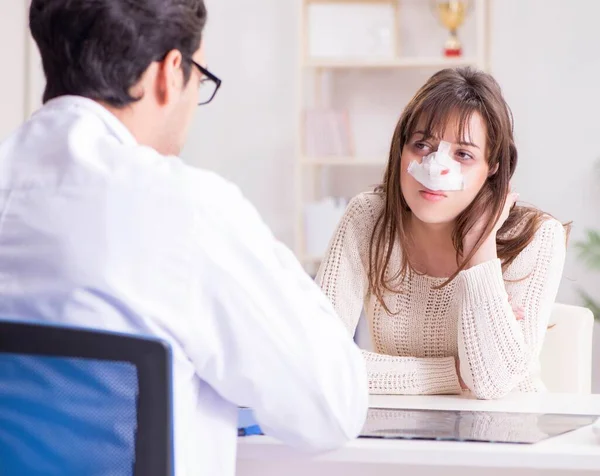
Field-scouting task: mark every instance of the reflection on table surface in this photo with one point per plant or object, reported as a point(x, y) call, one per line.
point(501, 427)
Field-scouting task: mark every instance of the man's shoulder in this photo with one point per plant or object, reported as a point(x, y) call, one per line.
point(147, 170)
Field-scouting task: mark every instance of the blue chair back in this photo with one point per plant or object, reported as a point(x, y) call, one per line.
point(82, 402)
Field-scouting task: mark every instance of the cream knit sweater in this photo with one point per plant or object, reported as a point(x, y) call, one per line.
point(470, 319)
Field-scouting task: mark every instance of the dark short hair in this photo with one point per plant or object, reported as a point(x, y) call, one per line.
point(100, 48)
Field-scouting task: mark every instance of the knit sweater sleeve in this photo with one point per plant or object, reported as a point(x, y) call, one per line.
point(496, 351)
point(343, 278)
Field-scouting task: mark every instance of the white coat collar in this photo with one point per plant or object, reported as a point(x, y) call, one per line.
point(110, 120)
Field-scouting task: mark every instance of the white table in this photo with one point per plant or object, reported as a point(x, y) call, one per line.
point(577, 452)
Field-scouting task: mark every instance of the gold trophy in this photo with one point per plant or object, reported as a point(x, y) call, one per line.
point(452, 14)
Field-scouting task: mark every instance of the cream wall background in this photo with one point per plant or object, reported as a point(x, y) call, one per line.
point(544, 53)
point(13, 84)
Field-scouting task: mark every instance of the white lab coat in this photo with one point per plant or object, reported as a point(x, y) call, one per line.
point(99, 231)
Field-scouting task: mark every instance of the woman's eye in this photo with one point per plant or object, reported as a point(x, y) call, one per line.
point(421, 146)
point(463, 155)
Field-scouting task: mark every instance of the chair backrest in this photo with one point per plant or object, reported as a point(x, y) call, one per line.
point(76, 401)
point(566, 358)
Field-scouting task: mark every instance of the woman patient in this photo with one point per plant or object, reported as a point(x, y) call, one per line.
point(456, 280)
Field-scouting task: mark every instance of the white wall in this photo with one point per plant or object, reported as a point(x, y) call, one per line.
point(248, 133)
point(13, 23)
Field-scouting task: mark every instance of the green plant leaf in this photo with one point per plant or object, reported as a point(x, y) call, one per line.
point(591, 304)
point(589, 249)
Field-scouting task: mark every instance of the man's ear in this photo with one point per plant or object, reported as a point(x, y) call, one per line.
point(494, 170)
point(169, 78)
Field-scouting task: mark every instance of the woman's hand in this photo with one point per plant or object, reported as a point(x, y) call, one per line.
point(518, 311)
point(487, 250)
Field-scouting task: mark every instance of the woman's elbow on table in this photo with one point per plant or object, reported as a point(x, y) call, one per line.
point(495, 379)
point(490, 393)
point(493, 388)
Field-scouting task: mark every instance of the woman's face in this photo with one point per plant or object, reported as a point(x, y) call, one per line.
point(470, 152)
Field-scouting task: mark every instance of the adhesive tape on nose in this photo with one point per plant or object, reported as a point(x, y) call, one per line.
point(438, 171)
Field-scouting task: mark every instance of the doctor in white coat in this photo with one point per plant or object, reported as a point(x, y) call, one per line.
point(101, 225)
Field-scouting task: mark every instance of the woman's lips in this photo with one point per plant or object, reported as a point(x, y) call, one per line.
point(431, 195)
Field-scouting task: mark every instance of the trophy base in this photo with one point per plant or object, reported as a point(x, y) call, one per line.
point(453, 46)
point(452, 52)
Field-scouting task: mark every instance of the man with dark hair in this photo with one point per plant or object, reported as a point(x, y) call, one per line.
point(103, 226)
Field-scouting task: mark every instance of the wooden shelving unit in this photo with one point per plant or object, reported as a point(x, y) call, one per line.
point(309, 169)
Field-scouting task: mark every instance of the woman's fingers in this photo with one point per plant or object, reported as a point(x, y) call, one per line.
point(520, 314)
point(518, 311)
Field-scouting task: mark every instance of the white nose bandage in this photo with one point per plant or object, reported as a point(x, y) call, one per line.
point(438, 171)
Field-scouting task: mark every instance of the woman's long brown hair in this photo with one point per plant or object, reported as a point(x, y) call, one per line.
point(452, 95)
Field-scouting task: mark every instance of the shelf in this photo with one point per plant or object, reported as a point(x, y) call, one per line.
point(344, 161)
point(432, 62)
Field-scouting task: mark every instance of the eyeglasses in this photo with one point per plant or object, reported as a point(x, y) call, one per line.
point(209, 85)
